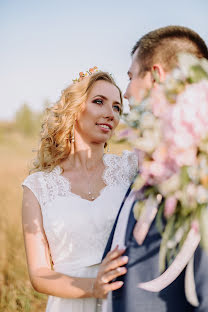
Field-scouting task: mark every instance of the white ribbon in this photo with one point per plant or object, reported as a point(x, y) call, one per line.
point(190, 288)
point(175, 269)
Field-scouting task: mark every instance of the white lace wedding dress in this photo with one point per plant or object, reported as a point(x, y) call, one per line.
point(77, 230)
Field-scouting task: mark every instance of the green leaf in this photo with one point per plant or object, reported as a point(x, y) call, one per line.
point(149, 191)
point(138, 209)
point(165, 238)
point(159, 218)
point(196, 74)
point(184, 175)
point(204, 228)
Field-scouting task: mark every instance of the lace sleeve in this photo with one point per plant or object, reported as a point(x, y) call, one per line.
point(130, 162)
point(33, 182)
point(120, 170)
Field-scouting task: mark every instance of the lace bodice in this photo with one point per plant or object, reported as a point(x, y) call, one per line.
point(77, 229)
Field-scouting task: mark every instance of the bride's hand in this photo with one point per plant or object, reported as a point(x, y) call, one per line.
point(110, 268)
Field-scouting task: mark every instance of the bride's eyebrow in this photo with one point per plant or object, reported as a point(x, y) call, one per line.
point(102, 96)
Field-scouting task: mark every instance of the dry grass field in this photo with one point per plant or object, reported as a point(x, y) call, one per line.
point(16, 293)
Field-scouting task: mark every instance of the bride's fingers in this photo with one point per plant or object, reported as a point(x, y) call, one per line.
point(114, 264)
point(113, 286)
point(107, 257)
point(108, 277)
point(115, 253)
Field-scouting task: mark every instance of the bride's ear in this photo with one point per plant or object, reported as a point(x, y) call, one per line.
point(158, 73)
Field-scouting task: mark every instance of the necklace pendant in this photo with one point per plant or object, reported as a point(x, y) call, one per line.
point(91, 196)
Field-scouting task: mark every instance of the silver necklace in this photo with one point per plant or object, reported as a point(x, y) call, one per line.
point(91, 194)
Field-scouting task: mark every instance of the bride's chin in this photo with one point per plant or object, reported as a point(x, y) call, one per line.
point(100, 140)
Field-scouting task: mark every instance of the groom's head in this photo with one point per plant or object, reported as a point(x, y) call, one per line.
point(155, 54)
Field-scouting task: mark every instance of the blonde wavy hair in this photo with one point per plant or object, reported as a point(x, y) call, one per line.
point(59, 119)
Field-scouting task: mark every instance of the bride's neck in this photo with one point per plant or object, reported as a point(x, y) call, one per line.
point(85, 155)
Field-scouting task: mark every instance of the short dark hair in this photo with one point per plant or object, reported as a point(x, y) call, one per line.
point(163, 45)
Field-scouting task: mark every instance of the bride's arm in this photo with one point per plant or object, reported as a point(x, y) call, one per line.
point(47, 281)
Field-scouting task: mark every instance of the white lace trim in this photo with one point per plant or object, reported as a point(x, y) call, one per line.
point(46, 186)
point(120, 169)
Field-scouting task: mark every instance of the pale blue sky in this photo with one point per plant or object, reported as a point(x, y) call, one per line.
point(46, 43)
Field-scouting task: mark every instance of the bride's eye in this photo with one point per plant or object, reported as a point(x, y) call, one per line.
point(98, 101)
point(117, 108)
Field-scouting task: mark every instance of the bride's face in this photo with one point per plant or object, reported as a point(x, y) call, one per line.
point(101, 113)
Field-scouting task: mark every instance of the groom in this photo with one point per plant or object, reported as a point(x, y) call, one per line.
point(153, 56)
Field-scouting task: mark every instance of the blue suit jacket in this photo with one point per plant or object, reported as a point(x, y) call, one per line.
point(144, 266)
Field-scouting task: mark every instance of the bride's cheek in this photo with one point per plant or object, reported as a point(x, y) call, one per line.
point(117, 120)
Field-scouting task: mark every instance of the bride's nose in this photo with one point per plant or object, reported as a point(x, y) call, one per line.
point(109, 113)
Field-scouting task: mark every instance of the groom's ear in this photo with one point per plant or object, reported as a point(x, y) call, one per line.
point(158, 73)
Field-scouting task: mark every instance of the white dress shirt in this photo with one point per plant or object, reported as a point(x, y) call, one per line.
point(120, 231)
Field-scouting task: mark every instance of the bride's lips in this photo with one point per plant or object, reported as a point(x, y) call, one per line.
point(105, 127)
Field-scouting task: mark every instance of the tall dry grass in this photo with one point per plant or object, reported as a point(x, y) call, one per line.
point(16, 293)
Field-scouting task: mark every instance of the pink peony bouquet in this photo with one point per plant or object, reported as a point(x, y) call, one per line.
point(169, 132)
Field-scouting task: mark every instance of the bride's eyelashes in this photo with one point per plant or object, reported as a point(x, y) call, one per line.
point(98, 101)
point(117, 108)
point(101, 102)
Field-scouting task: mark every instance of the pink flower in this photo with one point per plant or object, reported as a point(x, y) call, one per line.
point(183, 157)
point(158, 101)
point(155, 172)
point(170, 206)
point(161, 153)
point(195, 226)
point(185, 123)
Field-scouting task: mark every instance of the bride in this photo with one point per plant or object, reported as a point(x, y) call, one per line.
point(71, 199)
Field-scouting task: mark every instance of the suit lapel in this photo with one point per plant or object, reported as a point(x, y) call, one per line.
point(131, 223)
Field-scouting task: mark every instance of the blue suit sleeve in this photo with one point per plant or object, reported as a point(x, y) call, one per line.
point(201, 279)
